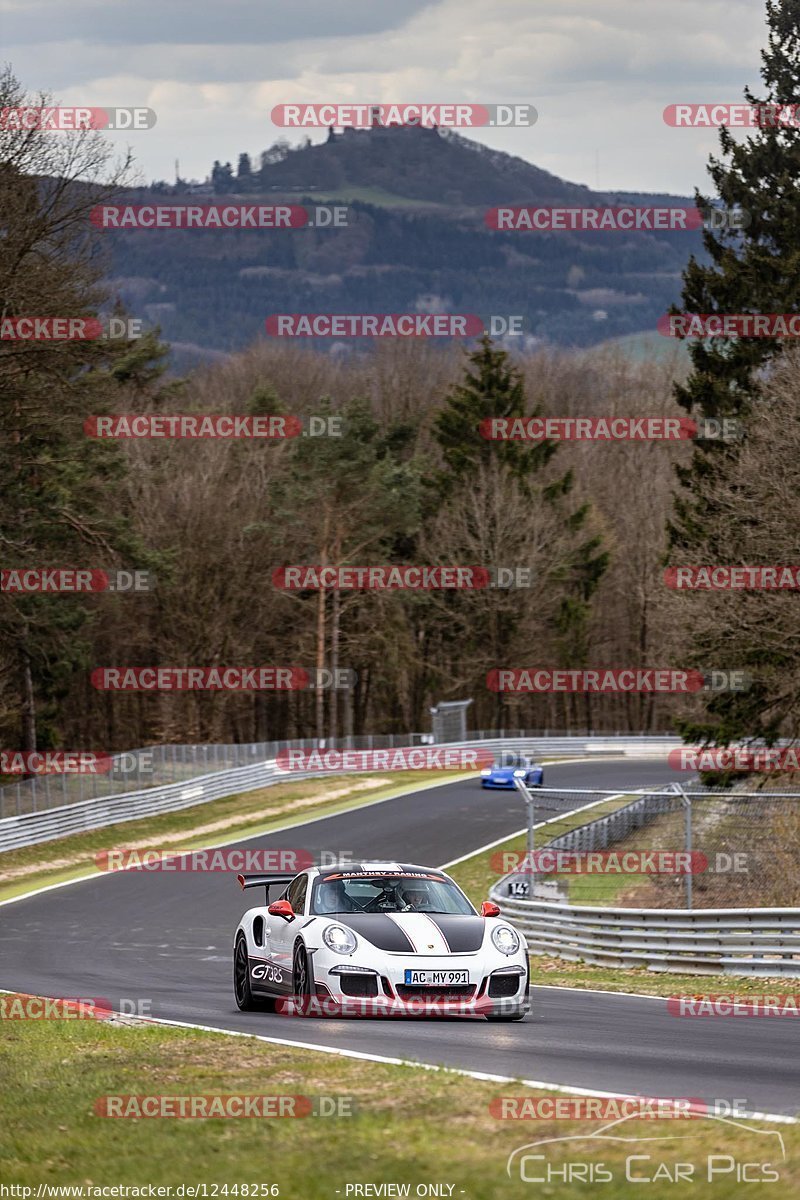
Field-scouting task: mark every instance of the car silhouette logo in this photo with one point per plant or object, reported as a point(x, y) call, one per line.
point(602, 1134)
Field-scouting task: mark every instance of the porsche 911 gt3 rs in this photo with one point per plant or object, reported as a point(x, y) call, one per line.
point(377, 938)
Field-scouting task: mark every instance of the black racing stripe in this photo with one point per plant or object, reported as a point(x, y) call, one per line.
point(462, 934)
point(378, 929)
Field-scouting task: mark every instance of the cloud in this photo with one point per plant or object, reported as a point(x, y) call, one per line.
point(600, 72)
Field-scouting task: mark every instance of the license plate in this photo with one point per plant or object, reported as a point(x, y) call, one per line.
point(435, 978)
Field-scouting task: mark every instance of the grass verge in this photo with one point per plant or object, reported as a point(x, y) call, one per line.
point(233, 818)
point(475, 875)
point(409, 1126)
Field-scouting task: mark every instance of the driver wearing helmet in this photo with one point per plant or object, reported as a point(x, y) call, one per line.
point(333, 898)
point(415, 898)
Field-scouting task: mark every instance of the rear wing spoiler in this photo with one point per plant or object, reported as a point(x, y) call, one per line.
point(276, 878)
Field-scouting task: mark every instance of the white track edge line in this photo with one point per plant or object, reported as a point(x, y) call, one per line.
point(51, 887)
point(363, 1055)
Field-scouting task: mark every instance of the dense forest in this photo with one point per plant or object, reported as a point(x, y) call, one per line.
point(409, 480)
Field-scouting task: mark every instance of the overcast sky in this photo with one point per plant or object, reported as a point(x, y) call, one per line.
point(600, 72)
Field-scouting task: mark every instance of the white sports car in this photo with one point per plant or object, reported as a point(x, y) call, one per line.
point(377, 938)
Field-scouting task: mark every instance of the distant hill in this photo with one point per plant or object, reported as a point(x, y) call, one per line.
point(418, 242)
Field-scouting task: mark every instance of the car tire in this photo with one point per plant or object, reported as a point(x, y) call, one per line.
point(245, 1000)
point(243, 993)
point(301, 979)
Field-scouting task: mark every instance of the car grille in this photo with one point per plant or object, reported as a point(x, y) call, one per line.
point(359, 985)
point(455, 991)
point(504, 985)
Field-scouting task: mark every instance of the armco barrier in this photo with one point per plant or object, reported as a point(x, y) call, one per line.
point(31, 828)
point(709, 941)
point(27, 829)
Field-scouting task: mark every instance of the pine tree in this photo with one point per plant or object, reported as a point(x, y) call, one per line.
point(493, 387)
point(60, 491)
point(757, 270)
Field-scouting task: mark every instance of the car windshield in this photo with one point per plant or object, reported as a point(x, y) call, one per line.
point(343, 892)
point(510, 761)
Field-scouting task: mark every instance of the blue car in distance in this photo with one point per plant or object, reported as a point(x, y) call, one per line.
point(509, 768)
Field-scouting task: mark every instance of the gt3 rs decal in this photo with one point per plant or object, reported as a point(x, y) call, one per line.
point(268, 975)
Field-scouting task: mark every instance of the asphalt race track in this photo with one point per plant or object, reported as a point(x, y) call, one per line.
point(167, 938)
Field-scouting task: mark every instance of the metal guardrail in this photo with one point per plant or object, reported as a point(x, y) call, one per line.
point(30, 828)
point(708, 941)
point(154, 766)
point(735, 941)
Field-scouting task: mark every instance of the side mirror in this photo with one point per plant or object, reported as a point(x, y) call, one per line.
point(282, 908)
point(488, 909)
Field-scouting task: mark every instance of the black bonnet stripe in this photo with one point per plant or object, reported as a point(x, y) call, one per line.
point(462, 934)
point(378, 929)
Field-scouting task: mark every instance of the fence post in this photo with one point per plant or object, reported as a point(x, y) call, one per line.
point(687, 837)
point(530, 838)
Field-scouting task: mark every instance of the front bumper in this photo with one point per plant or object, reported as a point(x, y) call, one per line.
point(492, 988)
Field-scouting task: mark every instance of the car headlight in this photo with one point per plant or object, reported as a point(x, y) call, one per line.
point(339, 939)
point(486, 771)
point(520, 774)
point(505, 939)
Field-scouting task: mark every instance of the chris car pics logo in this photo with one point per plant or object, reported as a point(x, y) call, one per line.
point(648, 1158)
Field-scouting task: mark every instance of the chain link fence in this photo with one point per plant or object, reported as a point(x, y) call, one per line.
point(668, 848)
point(155, 766)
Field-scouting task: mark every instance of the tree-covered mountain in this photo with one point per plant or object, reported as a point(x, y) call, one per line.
point(416, 240)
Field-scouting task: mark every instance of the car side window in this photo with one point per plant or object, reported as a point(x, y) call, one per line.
point(296, 893)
